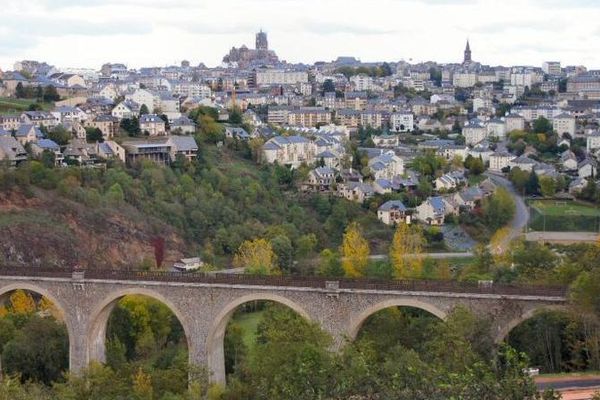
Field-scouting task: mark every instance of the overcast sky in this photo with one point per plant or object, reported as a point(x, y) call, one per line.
point(88, 33)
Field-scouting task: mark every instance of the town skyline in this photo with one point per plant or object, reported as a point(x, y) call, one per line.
point(98, 32)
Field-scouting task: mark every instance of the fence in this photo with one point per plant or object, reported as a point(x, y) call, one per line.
point(287, 281)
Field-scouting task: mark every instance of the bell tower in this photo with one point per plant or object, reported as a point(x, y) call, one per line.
point(467, 58)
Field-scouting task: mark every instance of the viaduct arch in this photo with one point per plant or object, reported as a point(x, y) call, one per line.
point(204, 304)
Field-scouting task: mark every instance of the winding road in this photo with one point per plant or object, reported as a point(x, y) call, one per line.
point(519, 221)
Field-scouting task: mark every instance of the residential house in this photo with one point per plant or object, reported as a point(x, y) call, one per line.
point(568, 160)
point(10, 122)
point(126, 109)
point(69, 114)
point(564, 123)
point(28, 133)
point(481, 150)
point(183, 125)
point(289, 150)
point(514, 122)
point(158, 151)
point(500, 160)
point(451, 180)
point(12, 150)
point(39, 119)
point(388, 141)
point(386, 166)
point(356, 191)
point(183, 145)
point(496, 128)
point(468, 197)
point(37, 148)
point(587, 168)
point(524, 163)
point(145, 97)
point(392, 212)
point(402, 122)
point(153, 125)
point(348, 117)
point(108, 125)
point(474, 132)
point(233, 132)
point(81, 152)
point(593, 141)
point(371, 118)
point(308, 116)
point(432, 211)
point(111, 150)
point(384, 186)
point(577, 185)
point(76, 129)
point(320, 179)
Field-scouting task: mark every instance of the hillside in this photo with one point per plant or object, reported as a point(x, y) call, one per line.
point(47, 229)
point(109, 217)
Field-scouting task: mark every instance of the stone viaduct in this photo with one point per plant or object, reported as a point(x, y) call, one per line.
point(204, 303)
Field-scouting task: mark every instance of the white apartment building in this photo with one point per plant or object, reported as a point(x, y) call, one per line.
point(514, 122)
point(564, 123)
point(551, 68)
point(362, 82)
point(474, 132)
point(500, 160)
point(265, 77)
point(464, 79)
point(402, 122)
point(593, 141)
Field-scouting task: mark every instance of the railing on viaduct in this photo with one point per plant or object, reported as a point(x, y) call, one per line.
point(289, 281)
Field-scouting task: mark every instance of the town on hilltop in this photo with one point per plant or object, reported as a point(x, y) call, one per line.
point(358, 130)
point(270, 230)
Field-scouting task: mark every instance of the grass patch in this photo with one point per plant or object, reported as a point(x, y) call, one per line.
point(249, 322)
point(476, 179)
point(10, 106)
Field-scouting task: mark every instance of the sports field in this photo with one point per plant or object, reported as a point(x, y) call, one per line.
point(564, 208)
point(563, 216)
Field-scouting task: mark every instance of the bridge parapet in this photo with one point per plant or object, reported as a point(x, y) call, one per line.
point(288, 281)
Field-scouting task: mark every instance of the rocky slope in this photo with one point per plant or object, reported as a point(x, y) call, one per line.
point(46, 229)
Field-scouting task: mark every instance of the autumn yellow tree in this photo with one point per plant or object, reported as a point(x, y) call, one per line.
point(406, 254)
point(22, 302)
point(47, 306)
point(355, 251)
point(142, 385)
point(257, 257)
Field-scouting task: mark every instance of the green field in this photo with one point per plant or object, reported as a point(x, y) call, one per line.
point(10, 105)
point(563, 216)
point(249, 322)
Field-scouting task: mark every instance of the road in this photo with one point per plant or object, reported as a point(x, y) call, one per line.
point(562, 237)
point(519, 221)
point(428, 255)
point(570, 387)
point(591, 382)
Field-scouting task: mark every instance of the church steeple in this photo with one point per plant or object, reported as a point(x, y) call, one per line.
point(467, 53)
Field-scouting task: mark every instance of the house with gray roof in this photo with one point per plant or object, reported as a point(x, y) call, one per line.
point(320, 179)
point(432, 211)
point(393, 212)
point(12, 151)
point(28, 133)
point(37, 148)
point(183, 125)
